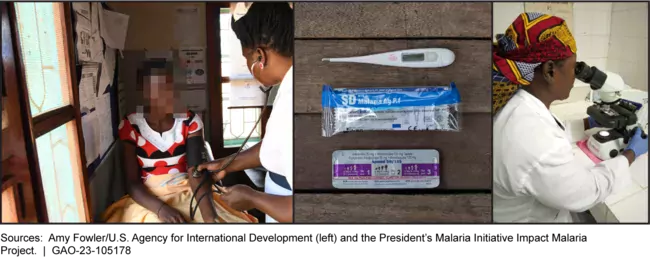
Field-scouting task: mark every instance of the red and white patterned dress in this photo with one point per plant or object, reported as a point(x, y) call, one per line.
point(159, 153)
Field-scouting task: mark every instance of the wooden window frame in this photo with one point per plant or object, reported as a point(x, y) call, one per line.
point(15, 169)
point(216, 80)
point(33, 127)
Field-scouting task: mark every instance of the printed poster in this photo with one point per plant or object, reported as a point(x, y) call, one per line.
point(193, 62)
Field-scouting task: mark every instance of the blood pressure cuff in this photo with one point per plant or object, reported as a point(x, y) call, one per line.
point(194, 147)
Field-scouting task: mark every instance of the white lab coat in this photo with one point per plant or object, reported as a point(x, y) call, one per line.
point(276, 152)
point(536, 177)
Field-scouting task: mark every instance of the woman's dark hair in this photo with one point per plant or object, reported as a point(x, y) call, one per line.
point(154, 67)
point(267, 25)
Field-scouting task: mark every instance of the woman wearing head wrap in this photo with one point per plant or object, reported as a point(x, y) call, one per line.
point(265, 31)
point(536, 178)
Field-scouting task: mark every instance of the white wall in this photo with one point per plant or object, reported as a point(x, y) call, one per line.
point(628, 45)
point(503, 14)
point(610, 36)
point(591, 29)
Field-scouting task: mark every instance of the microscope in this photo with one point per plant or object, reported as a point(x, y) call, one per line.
point(617, 116)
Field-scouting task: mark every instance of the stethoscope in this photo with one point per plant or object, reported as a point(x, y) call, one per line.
point(219, 185)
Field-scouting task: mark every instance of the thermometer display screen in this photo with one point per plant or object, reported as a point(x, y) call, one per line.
point(413, 57)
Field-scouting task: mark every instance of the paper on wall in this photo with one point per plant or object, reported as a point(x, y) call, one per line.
point(245, 92)
point(188, 26)
point(95, 12)
point(89, 46)
point(84, 50)
point(238, 65)
point(104, 124)
point(114, 26)
point(108, 70)
point(88, 124)
point(82, 9)
point(87, 89)
point(192, 61)
point(97, 128)
point(97, 48)
point(96, 42)
point(195, 100)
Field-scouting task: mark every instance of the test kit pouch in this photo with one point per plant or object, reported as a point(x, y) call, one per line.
point(430, 108)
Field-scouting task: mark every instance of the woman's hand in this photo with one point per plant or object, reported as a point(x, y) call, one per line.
point(170, 215)
point(215, 166)
point(239, 197)
point(638, 143)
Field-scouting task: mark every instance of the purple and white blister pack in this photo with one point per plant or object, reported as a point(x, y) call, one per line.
point(385, 169)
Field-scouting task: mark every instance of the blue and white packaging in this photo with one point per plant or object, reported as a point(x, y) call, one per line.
point(430, 108)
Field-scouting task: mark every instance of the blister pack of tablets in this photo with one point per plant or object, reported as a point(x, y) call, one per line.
point(386, 169)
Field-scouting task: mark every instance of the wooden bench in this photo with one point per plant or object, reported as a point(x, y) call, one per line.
point(350, 29)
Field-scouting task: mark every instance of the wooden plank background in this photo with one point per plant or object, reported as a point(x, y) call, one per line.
point(350, 29)
point(394, 20)
point(393, 208)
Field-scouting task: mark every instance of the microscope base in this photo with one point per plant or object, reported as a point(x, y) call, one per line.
point(606, 144)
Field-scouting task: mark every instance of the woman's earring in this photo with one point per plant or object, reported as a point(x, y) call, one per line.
point(262, 66)
point(253, 68)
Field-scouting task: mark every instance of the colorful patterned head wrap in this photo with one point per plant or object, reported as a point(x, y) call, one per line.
point(532, 39)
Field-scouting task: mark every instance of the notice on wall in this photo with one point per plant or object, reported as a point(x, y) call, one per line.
point(192, 60)
point(84, 51)
point(96, 122)
point(245, 92)
point(195, 100)
point(114, 26)
point(90, 132)
point(89, 46)
point(238, 66)
point(104, 124)
point(82, 9)
point(95, 11)
point(87, 100)
point(108, 70)
point(188, 27)
point(88, 87)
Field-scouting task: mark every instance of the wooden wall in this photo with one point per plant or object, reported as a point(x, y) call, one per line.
point(350, 29)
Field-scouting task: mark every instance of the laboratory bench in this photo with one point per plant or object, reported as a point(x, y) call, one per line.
point(628, 204)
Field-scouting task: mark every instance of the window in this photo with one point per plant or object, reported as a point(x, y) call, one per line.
point(45, 61)
point(238, 122)
point(41, 30)
point(55, 155)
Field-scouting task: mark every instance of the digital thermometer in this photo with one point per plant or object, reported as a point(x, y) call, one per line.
point(412, 58)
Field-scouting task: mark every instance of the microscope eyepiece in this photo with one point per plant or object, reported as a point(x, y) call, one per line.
point(591, 75)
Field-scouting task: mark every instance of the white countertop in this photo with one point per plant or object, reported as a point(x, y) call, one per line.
point(627, 205)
